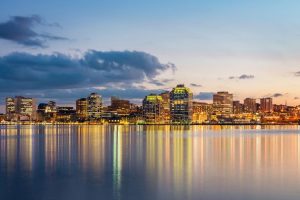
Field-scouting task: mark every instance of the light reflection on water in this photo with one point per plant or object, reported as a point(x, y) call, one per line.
point(149, 162)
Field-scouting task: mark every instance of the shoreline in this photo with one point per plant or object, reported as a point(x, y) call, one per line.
point(104, 124)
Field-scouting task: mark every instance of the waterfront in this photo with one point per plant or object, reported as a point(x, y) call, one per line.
point(149, 162)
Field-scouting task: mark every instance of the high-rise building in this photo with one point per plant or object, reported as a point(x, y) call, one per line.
point(153, 109)
point(94, 106)
point(22, 108)
point(181, 107)
point(166, 105)
point(223, 103)
point(266, 105)
point(82, 109)
point(25, 107)
point(237, 107)
point(250, 105)
point(10, 105)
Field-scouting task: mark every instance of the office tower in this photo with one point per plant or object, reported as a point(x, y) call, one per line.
point(237, 107)
point(94, 106)
point(166, 105)
point(10, 107)
point(120, 106)
point(181, 107)
point(223, 103)
point(25, 108)
point(82, 109)
point(250, 105)
point(153, 109)
point(266, 105)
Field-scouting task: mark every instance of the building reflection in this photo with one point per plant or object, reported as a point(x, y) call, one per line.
point(181, 160)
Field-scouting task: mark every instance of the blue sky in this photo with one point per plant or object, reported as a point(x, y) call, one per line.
point(212, 43)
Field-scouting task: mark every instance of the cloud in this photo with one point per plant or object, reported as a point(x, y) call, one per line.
point(297, 73)
point(205, 96)
point(195, 85)
point(242, 77)
point(278, 95)
point(20, 29)
point(23, 71)
point(162, 82)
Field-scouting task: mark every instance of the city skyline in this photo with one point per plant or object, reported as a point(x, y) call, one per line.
point(143, 100)
point(124, 50)
point(106, 100)
point(176, 106)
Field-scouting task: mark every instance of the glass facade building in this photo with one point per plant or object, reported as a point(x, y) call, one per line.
point(181, 107)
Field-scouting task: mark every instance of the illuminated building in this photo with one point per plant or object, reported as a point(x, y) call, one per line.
point(237, 107)
point(2, 117)
point(41, 112)
point(121, 106)
point(10, 107)
point(51, 107)
point(166, 105)
point(280, 108)
point(46, 111)
point(81, 109)
point(94, 106)
point(136, 114)
point(223, 103)
point(25, 108)
point(153, 109)
point(65, 114)
point(201, 112)
point(266, 105)
point(110, 117)
point(250, 105)
point(181, 107)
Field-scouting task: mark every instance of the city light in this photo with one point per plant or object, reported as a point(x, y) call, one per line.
point(170, 107)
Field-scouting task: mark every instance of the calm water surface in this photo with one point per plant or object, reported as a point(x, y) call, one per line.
point(149, 162)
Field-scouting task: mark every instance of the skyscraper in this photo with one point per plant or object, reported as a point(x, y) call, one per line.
point(94, 106)
point(153, 109)
point(181, 107)
point(250, 105)
point(266, 105)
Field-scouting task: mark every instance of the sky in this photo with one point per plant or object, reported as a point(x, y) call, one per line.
point(63, 50)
